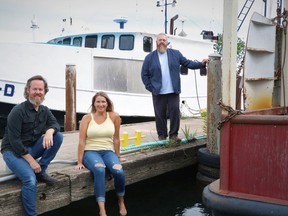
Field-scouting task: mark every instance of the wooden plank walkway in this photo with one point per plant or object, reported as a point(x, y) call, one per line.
point(75, 185)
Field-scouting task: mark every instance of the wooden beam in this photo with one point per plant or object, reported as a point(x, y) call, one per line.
point(75, 185)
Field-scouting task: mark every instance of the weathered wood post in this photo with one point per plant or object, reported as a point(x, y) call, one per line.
point(209, 158)
point(214, 93)
point(70, 116)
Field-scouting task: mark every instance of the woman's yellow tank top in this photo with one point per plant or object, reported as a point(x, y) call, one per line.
point(100, 136)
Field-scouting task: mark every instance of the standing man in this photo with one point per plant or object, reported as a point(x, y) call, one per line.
point(161, 76)
point(32, 132)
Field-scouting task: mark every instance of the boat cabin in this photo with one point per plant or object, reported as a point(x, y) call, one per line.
point(113, 41)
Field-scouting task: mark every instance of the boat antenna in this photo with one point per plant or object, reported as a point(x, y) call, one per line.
point(182, 33)
point(121, 21)
point(34, 27)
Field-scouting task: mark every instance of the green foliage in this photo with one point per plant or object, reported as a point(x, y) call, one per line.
point(218, 47)
point(187, 133)
point(204, 117)
point(171, 143)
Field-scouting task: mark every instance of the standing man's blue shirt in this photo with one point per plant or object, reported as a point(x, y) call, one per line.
point(151, 70)
point(167, 87)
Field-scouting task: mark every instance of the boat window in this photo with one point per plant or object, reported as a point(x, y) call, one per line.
point(60, 42)
point(53, 41)
point(77, 41)
point(67, 41)
point(108, 41)
point(91, 41)
point(126, 42)
point(147, 44)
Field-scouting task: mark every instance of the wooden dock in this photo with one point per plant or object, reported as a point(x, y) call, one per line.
point(75, 185)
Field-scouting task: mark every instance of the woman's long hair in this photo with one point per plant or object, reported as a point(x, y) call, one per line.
point(110, 107)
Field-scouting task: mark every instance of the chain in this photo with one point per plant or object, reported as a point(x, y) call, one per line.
point(284, 24)
point(280, 63)
point(278, 41)
point(231, 113)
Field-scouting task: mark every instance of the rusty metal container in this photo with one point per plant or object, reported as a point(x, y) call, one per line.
point(253, 165)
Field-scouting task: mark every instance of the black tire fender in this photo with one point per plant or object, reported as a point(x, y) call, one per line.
point(207, 158)
point(204, 179)
point(209, 171)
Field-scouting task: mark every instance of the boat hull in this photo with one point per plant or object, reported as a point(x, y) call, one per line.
point(225, 205)
point(115, 71)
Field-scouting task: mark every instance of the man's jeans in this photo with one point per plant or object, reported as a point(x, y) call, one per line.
point(21, 168)
point(162, 104)
point(96, 162)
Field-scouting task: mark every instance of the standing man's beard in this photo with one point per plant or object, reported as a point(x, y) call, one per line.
point(162, 48)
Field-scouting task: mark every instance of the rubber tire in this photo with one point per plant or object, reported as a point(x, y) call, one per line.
point(207, 158)
point(209, 171)
point(204, 179)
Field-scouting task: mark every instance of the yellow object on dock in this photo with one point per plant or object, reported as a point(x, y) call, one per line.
point(125, 138)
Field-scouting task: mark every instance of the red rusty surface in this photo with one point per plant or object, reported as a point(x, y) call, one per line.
point(254, 156)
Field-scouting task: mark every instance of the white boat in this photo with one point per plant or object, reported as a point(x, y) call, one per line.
point(108, 61)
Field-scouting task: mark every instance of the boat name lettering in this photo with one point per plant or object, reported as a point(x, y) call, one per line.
point(9, 90)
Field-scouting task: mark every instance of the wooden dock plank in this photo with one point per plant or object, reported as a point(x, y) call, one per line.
point(48, 197)
point(75, 185)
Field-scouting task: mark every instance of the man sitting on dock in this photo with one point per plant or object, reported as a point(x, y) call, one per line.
point(32, 132)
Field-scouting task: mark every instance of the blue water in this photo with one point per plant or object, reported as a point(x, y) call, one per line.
point(176, 193)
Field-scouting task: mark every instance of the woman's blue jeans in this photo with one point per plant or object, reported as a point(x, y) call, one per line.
point(21, 168)
point(96, 162)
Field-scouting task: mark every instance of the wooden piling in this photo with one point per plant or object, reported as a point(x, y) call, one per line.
point(214, 90)
point(70, 116)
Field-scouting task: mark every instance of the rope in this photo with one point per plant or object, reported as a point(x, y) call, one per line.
point(183, 104)
point(196, 87)
point(192, 111)
point(231, 113)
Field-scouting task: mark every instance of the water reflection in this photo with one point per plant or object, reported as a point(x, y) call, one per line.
point(173, 194)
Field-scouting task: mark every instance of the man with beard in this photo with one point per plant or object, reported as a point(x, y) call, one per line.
point(32, 132)
point(161, 76)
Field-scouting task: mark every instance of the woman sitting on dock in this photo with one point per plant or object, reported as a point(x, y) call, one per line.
point(99, 147)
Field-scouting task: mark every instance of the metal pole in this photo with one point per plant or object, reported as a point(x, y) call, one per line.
point(166, 17)
point(229, 52)
point(70, 116)
point(265, 7)
point(172, 20)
